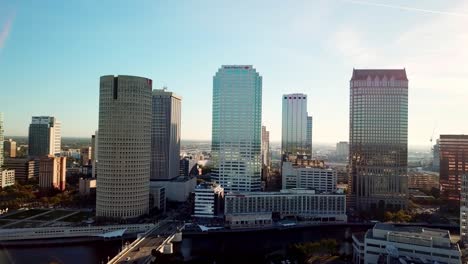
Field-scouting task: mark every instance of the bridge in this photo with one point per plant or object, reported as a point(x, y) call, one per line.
point(160, 238)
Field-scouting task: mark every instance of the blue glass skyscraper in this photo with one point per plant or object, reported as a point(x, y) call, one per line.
point(236, 127)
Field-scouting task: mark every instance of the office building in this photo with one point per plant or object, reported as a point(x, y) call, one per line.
point(165, 135)
point(453, 164)
point(378, 134)
point(423, 180)
point(87, 186)
point(314, 206)
point(236, 128)
point(94, 152)
point(342, 149)
point(265, 147)
point(296, 132)
point(44, 136)
point(386, 243)
point(7, 178)
point(1, 139)
point(464, 210)
point(177, 189)
point(85, 156)
point(24, 168)
point(157, 197)
point(319, 178)
point(208, 200)
point(9, 148)
point(52, 172)
point(124, 147)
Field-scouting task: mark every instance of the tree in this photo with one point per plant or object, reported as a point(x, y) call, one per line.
point(388, 216)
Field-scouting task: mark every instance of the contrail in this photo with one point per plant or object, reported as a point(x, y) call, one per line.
point(408, 8)
point(5, 31)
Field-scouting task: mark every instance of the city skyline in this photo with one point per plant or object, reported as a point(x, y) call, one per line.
point(318, 67)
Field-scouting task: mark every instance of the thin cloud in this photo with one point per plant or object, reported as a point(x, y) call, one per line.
point(5, 31)
point(408, 8)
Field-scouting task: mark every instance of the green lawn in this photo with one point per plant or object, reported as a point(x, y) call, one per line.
point(53, 215)
point(25, 224)
point(81, 216)
point(25, 214)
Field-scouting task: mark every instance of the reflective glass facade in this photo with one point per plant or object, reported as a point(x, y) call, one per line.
point(453, 151)
point(236, 128)
point(378, 139)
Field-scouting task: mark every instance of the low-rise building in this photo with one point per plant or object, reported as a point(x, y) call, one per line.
point(386, 243)
point(308, 204)
point(24, 168)
point(208, 200)
point(7, 178)
point(318, 178)
point(157, 196)
point(249, 220)
point(423, 180)
point(87, 186)
point(179, 188)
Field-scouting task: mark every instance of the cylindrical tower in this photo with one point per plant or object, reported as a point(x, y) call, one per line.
point(124, 146)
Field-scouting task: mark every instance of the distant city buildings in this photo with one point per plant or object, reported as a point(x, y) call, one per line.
point(24, 168)
point(87, 186)
point(44, 136)
point(165, 135)
point(236, 128)
point(7, 178)
point(52, 173)
point(124, 146)
point(209, 200)
point(453, 164)
point(378, 139)
point(296, 132)
point(436, 157)
point(307, 204)
point(316, 177)
point(342, 149)
point(86, 156)
point(94, 158)
point(1, 140)
point(386, 243)
point(423, 180)
point(9, 148)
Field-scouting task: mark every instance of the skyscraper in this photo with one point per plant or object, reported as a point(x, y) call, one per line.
point(44, 136)
point(453, 151)
point(236, 127)
point(1, 140)
point(296, 132)
point(94, 158)
point(124, 146)
point(165, 135)
point(342, 149)
point(378, 139)
point(265, 147)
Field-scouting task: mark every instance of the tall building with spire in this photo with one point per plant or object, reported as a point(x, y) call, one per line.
point(378, 139)
point(124, 146)
point(236, 128)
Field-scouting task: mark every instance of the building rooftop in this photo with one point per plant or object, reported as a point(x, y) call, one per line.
point(206, 186)
point(363, 74)
point(293, 191)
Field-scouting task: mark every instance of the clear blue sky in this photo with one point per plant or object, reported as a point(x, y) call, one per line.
point(53, 52)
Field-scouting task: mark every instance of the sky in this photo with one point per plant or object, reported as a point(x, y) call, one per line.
point(52, 54)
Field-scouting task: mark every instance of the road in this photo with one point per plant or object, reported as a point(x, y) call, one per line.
point(142, 252)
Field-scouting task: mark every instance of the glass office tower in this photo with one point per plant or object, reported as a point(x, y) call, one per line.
point(296, 132)
point(378, 139)
point(236, 128)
